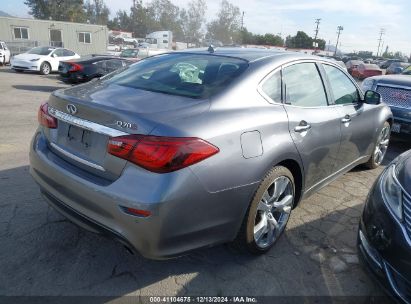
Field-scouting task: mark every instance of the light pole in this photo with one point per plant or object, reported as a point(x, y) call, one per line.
point(339, 29)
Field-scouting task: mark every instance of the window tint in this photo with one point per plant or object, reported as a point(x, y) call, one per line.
point(40, 50)
point(196, 76)
point(343, 89)
point(272, 87)
point(59, 53)
point(303, 86)
point(68, 53)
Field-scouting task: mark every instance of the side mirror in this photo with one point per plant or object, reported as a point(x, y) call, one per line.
point(372, 98)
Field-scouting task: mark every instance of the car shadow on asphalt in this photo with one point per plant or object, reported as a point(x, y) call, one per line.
point(39, 88)
point(44, 254)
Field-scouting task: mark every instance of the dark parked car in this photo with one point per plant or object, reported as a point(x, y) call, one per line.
point(397, 68)
point(396, 93)
point(87, 68)
point(130, 54)
point(387, 63)
point(385, 229)
point(190, 149)
point(352, 66)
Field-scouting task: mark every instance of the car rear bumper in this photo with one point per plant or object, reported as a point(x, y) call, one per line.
point(384, 247)
point(184, 216)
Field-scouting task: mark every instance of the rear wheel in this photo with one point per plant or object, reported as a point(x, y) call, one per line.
point(381, 147)
point(269, 211)
point(45, 68)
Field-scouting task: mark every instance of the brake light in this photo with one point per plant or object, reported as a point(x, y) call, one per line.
point(161, 154)
point(44, 118)
point(75, 67)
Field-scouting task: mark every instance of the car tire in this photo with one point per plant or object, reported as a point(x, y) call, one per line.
point(3, 63)
point(380, 148)
point(266, 211)
point(45, 68)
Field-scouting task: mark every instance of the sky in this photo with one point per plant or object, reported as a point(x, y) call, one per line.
point(362, 19)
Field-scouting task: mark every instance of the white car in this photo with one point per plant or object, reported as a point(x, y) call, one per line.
point(4, 53)
point(42, 59)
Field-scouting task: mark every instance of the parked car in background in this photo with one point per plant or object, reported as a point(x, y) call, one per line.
point(4, 53)
point(139, 152)
point(397, 68)
point(352, 65)
point(396, 93)
point(87, 68)
point(385, 229)
point(366, 70)
point(130, 54)
point(42, 59)
point(387, 63)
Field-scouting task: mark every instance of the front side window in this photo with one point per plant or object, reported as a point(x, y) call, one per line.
point(272, 87)
point(21, 33)
point(303, 86)
point(68, 53)
point(59, 53)
point(84, 37)
point(40, 51)
point(190, 75)
point(344, 91)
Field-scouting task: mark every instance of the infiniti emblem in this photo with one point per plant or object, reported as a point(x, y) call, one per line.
point(71, 109)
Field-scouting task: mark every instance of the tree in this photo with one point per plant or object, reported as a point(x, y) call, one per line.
point(97, 12)
point(163, 15)
point(302, 41)
point(226, 27)
point(192, 21)
point(138, 19)
point(121, 21)
point(59, 10)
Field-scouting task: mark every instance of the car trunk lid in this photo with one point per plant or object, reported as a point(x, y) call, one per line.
point(88, 115)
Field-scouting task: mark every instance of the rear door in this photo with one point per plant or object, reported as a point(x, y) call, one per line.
point(358, 121)
point(314, 126)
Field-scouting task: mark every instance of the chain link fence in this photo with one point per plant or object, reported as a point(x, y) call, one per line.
point(18, 47)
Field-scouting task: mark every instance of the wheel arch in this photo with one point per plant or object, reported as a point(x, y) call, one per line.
point(297, 172)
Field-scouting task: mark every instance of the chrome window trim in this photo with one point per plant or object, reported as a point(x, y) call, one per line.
point(85, 124)
point(76, 158)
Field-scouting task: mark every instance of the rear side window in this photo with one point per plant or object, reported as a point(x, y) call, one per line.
point(303, 86)
point(344, 91)
point(272, 87)
point(190, 75)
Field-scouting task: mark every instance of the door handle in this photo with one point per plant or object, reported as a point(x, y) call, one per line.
point(346, 119)
point(302, 127)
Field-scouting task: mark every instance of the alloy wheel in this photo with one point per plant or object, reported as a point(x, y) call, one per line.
point(273, 212)
point(382, 145)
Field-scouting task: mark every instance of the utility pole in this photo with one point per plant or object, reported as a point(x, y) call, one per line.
point(317, 21)
point(382, 32)
point(339, 29)
point(242, 21)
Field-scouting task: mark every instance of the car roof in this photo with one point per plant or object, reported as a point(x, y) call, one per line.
point(251, 54)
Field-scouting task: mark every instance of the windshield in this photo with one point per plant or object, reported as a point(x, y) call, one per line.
point(40, 51)
point(190, 75)
point(129, 53)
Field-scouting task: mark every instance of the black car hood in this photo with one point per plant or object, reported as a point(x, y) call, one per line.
point(404, 171)
point(402, 80)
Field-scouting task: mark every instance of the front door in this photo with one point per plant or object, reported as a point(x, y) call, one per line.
point(314, 126)
point(357, 124)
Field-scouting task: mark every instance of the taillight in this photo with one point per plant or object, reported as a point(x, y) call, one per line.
point(44, 118)
point(161, 154)
point(75, 67)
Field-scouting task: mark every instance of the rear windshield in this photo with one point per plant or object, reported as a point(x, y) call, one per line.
point(190, 75)
point(40, 51)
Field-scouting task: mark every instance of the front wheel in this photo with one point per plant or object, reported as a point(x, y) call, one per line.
point(381, 147)
point(269, 211)
point(45, 68)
